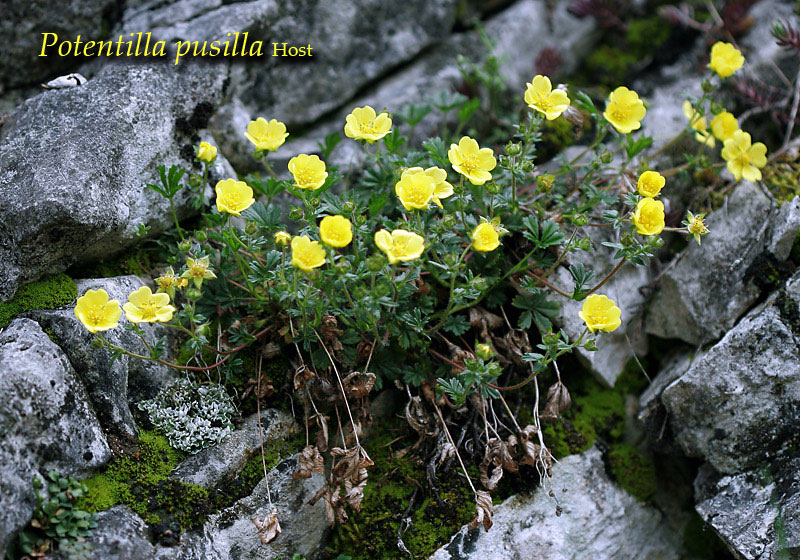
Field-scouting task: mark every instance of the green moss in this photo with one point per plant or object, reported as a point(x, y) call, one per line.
point(372, 533)
point(645, 36)
point(55, 291)
point(141, 482)
point(633, 471)
point(609, 65)
point(135, 261)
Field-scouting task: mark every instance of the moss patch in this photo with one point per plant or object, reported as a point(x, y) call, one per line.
point(633, 471)
point(55, 291)
point(372, 533)
point(140, 481)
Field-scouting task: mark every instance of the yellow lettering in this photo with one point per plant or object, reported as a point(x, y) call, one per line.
point(180, 45)
point(44, 42)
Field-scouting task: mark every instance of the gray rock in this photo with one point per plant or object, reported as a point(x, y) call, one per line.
point(757, 513)
point(46, 422)
point(213, 465)
point(231, 533)
point(785, 226)
point(524, 27)
point(652, 414)
point(21, 29)
point(740, 401)
point(598, 520)
point(615, 349)
point(120, 534)
point(74, 162)
point(107, 381)
point(762, 54)
point(707, 288)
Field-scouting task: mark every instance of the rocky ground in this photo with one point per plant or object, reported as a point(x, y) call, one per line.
point(719, 323)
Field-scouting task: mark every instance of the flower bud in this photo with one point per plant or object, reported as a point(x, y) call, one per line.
point(449, 221)
point(708, 87)
point(527, 166)
point(480, 283)
point(194, 293)
point(451, 260)
point(97, 343)
point(383, 290)
point(185, 246)
point(513, 148)
point(361, 219)
point(584, 244)
point(250, 228)
point(492, 188)
point(195, 181)
point(282, 238)
point(295, 214)
point(201, 235)
point(483, 351)
point(312, 203)
point(580, 220)
point(606, 157)
point(348, 207)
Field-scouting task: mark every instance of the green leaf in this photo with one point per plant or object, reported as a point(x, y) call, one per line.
point(456, 325)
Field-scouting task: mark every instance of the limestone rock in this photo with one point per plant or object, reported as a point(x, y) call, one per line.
point(708, 287)
point(598, 520)
point(46, 422)
point(740, 401)
point(74, 164)
point(213, 465)
point(120, 534)
point(756, 513)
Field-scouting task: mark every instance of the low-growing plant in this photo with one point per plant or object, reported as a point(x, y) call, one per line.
point(57, 523)
point(439, 269)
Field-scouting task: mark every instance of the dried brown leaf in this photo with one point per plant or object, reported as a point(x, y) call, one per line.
point(331, 332)
point(484, 511)
point(416, 416)
point(268, 527)
point(301, 376)
point(558, 400)
point(498, 456)
point(309, 462)
point(358, 384)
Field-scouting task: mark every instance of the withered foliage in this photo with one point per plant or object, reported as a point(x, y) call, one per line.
point(558, 400)
point(484, 510)
point(268, 527)
point(309, 462)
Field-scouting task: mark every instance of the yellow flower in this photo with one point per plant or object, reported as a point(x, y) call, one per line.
point(306, 254)
point(541, 97)
point(308, 171)
point(169, 282)
point(649, 216)
point(600, 313)
point(96, 311)
point(650, 183)
point(144, 306)
point(724, 125)
point(624, 110)
point(282, 238)
point(483, 351)
point(336, 231)
point(698, 124)
point(364, 124)
point(400, 245)
point(725, 59)
point(485, 237)
point(233, 196)
point(442, 189)
point(744, 160)
point(206, 152)
point(695, 225)
point(198, 270)
point(415, 188)
point(266, 135)
point(472, 161)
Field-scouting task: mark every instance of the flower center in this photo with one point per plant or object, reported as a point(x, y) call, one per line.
point(367, 127)
point(198, 271)
point(96, 314)
point(148, 309)
point(621, 113)
point(232, 199)
point(469, 163)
